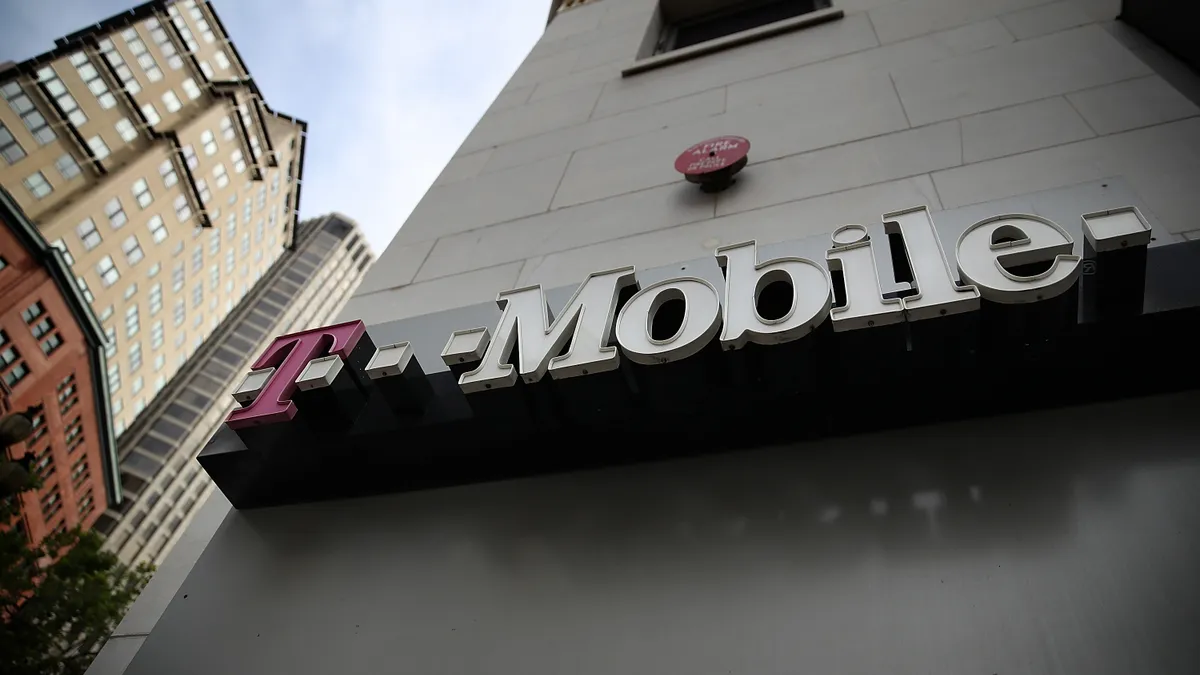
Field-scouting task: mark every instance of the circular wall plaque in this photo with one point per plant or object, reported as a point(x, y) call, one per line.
point(714, 162)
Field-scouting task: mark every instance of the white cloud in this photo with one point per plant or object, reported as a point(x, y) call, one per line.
point(389, 89)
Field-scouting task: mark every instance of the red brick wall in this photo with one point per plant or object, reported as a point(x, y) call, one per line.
point(22, 283)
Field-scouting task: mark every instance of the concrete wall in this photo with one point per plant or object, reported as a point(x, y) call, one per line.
point(900, 103)
point(1062, 542)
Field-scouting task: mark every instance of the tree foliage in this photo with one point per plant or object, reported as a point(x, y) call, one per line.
point(59, 600)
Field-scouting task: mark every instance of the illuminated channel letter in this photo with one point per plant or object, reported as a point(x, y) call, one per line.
point(937, 294)
point(699, 323)
point(288, 355)
point(990, 250)
point(853, 255)
point(746, 280)
point(586, 323)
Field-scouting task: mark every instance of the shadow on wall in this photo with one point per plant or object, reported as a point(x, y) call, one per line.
point(1012, 484)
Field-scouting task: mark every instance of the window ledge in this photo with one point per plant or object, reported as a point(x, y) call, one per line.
point(730, 41)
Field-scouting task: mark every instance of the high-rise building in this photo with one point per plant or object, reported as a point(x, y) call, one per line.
point(52, 367)
point(918, 381)
point(142, 148)
point(163, 485)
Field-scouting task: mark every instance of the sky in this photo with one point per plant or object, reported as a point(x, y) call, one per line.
point(389, 88)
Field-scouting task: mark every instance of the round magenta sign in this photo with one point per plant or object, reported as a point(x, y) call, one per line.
point(715, 154)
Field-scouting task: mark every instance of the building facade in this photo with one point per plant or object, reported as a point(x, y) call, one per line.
point(162, 483)
point(955, 451)
point(143, 150)
point(52, 363)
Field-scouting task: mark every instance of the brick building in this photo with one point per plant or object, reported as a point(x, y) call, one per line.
point(52, 360)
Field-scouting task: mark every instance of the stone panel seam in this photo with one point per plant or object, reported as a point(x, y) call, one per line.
point(687, 224)
point(936, 195)
point(816, 149)
point(392, 289)
point(896, 91)
point(425, 258)
point(1044, 98)
point(1081, 115)
point(994, 16)
point(557, 187)
point(871, 23)
point(822, 61)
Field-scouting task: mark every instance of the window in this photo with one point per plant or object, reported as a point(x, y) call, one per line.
point(88, 234)
point(197, 259)
point(160, 37)
point(32, 312)
point(207, 70)
point(114, 58)
point(156, 335)
point(144, 59)
point(141, 192)
point(65, 100)
point(247, 212)
point(83, 287)
point(66, 166)
point(21, 104)
point(135, 389)
point(680, 32)
point(159, 362)
point(51, 343)
point(190, 88)
point(37, 185)
point(167, 171)
point(177, 275)
point(180, 311)
point(110, 347)
point(126, 129)
point(42, 327)
point(135, 360)
point(185, 32)
point(214, 241)
point(51, 504)
point(229, 262)
point(99, 149)
point(202, 189)
point(245, 244)
point(156, 299)
point(214, 278)
point(221, 59)
point(151, 114)
point(220, 175)
point(11, 365)
point(171, 101)
point(259, 229)
point(133, 250)
point(95, 83)
point(227, 129)
point(189, 154)
point(158, 229)
point(115, 213)
point(107, 270)
point(199, 319)
point(261, 201)
point(12, 150)
point(114, 380)
point(178, 248)
point(197, 295)
point(131, 291)
point(209, 142)
point(239, 162)
point(132, 323)
point(153, 271)
point(275, 184)
point(182, 210)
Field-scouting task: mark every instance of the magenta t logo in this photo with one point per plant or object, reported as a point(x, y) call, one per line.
point(288, 355)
